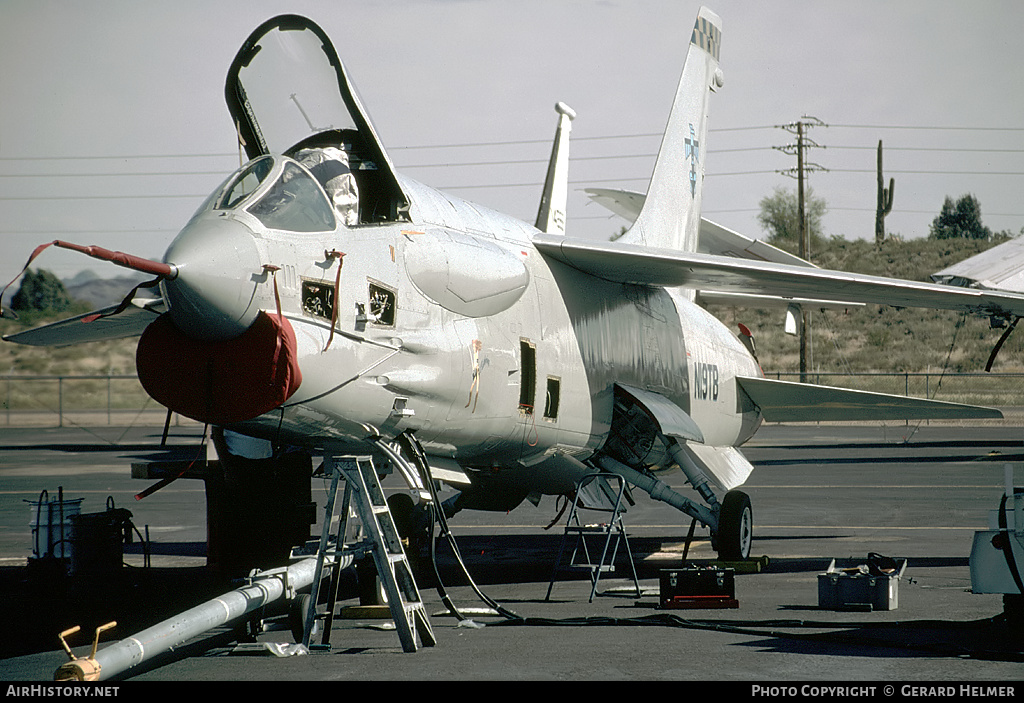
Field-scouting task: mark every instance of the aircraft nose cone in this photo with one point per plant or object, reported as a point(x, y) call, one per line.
point(215, 356)
point(213, 296)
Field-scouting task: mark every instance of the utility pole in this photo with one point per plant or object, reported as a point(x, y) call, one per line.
point(802, 144)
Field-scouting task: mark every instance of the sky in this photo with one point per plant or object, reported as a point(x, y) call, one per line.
point(113, 126)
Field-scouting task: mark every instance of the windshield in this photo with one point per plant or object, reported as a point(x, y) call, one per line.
point(245, 182)
point(294, 203)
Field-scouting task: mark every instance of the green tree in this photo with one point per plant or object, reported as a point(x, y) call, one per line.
point(41, 291)
point(779, 218)
point(959, 220)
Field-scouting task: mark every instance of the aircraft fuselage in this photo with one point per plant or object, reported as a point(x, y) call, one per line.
point(454, 326)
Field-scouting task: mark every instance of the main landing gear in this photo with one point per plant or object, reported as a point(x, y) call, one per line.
point(735, 527)
point(731, 521)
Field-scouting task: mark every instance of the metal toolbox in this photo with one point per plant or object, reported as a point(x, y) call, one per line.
point(864, 587)
point(698, 587)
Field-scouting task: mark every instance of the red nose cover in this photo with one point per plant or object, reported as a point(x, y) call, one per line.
point(220, 382)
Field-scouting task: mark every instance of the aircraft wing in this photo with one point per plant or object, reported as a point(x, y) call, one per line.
point(629, 263)
point(75, 330)
point(787, 401)
point(1001, 267)
point(722, 241)
point(749, 300)
point(624, 203)
point(713, 239)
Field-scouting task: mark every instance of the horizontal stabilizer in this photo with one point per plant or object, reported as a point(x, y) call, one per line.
point(130, 322)
point(787, 401)
point(630, 263)
point(722, 241)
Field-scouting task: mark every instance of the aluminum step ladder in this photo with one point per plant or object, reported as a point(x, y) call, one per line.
point(363, 489)
point(595, 492)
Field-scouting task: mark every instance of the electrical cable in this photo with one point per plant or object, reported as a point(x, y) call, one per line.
point(412, 446)
point(397, 458)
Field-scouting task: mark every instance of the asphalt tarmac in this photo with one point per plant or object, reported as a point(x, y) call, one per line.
point(914, 492)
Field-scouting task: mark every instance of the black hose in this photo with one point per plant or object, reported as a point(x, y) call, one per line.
point(412, 446)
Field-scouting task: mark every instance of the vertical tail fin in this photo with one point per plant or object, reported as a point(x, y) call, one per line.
point(670, 217)
point(551, 215)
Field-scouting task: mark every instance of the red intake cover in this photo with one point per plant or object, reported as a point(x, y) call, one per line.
point(220, 382)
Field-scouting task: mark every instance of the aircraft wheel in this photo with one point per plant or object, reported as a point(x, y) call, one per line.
point(413, 524)
point(297, 616)
point(403, 513)
point(1013, 611)
point(735, 527)
point(371, 588)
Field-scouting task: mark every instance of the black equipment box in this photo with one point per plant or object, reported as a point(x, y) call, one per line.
point(698, 587)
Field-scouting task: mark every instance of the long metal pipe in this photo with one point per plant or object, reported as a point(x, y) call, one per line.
point(165, 636)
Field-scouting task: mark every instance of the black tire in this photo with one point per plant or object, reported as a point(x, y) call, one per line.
point(413, 524)
point(371, 588)
point(1013, 613)
point(297, 616)
point(403, 513)
point(735, 527)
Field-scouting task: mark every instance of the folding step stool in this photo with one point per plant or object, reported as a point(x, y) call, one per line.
point(613, 531)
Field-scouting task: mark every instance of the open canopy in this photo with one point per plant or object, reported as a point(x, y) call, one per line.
point(287, 90)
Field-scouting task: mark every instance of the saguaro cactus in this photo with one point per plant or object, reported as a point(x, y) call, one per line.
point(884, 206)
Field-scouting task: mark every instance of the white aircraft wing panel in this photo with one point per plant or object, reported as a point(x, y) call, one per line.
point(627, 263)
point(749, 300)
point(713, 239)
point(1000, 267)
point(624, 203)
point(130, 322)
point(722, 241)
point(787, 401)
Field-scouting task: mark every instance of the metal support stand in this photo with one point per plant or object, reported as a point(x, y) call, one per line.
point(612, 531)
point(363, 489)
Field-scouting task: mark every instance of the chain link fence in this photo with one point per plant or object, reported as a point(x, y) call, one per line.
point(60, 401)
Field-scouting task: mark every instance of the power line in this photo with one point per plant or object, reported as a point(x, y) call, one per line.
point(930, 128)
point(507, 162)
point(118, 156)
point(933, 148)
point(943, 172)
point(157, 174)
point(62, 196)
point(517, 142)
